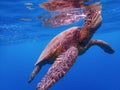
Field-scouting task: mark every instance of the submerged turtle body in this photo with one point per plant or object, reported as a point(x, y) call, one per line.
point(65, 47)
point(60, 44)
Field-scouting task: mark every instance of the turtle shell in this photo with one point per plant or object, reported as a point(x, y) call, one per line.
point(59, 44)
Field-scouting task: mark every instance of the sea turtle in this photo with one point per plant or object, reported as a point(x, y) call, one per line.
point(66, 46)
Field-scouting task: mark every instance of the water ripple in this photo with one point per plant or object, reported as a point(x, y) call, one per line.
point(13, 30)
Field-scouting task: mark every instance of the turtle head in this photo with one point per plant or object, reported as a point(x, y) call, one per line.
point(93, 16)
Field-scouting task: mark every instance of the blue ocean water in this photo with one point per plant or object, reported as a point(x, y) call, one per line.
point(21, 43)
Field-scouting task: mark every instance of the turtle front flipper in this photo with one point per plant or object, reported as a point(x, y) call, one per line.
point(59, 68)
point(105, 46)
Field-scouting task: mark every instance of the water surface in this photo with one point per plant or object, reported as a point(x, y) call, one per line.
point(21, 43)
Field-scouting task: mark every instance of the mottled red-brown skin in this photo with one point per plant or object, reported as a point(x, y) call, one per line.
point(65, 47)
point(75, 36)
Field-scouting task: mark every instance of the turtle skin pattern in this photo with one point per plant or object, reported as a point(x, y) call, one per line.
point(61, 65)
point(63, 50)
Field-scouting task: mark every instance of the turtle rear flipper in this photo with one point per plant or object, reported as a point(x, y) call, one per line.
point(105, 46)
point(33, 74)
point(59, 68)
point(35, 71)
